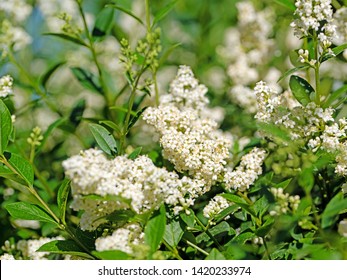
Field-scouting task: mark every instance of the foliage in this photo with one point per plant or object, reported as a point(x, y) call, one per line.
point(106, 154)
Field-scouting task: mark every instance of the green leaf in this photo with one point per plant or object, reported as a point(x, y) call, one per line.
point(155, 229)
point(46, 76)
point(215, 255)
point(77, 112)
point(62, 197)
point(8, 174)
point(103, 22)
point(337, 50)
point(65, 247)
point(292, 71)
point(128, 12)
point(135, 153)
point(6, 126)
point(335, 95)
point(265, 228)
point(243, 237)
point(240, 202)
point(22, 166)
point(301, 89)
point(112, 125)
point(27, 211)
point(275, 131)
point(49, 131)
point(306, 180)
point(173, 233)
point(111, 255)
point(163, 12)
point(189, 220)
point(287, 3)
point(87, 79)
point(104, 139)
point(67, 37)
point(134, 119)
point(261, 206)
point(167, 53)
point(331, 212)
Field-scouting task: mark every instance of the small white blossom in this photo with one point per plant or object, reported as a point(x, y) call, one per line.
point(246, 172)
point(216, 205)
point(6, 84)
point(123, 239)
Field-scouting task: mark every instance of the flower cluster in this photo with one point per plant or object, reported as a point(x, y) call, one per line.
point(314, 125)
point(6, 84)
point(122, 183)
point(246, 172)
point(191, 142)
point(315, 17)
point(12, 37)
point(27, 249)
point(18, 10)
point(285, 203)
point(123, 239)
point(216, 205)
point(247, 49)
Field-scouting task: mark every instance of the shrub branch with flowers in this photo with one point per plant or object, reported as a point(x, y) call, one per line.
point(112, 148)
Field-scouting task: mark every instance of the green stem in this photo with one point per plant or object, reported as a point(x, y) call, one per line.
point(316, 68)
point(33, 84)
point(266, 249)
point(148, 17)
point(91, 46)
point(173, 250)
point(196, 247)
point(205, 229)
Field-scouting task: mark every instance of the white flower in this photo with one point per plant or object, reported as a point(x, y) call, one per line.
point(216, 205)
point(342, 228)
point(246, 172)
point(29, 247)
point(18, 10)
point(122, 239)
point(315, 15)
point(6, 84)
point(6, 256)
point(139, 184)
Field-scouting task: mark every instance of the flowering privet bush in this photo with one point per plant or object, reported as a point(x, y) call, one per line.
point(150, 130)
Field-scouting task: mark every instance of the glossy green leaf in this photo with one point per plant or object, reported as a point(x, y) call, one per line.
point(112, 125)
point(240, 202)
point(292, 71)
point(155, 229)
point(103, 22)
point(275, 131)
point(67, 37)
point(111, 255)
point(8, 174)
point(126, 11)
point(173, 233)
point(62, 197)
point(135, 153)
point(337, 205)
point(27, 211)
point(77, 112)
point(335, 96)
point(215, 255)
point(336, 51)
point(104, 139)
point(64, 247)
point(22, 166)
point(163, 12)
point(265, 228)
point(46, 76)
point(6, 126)
point(301, 89)
point(87, 79)
point(135, 118)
